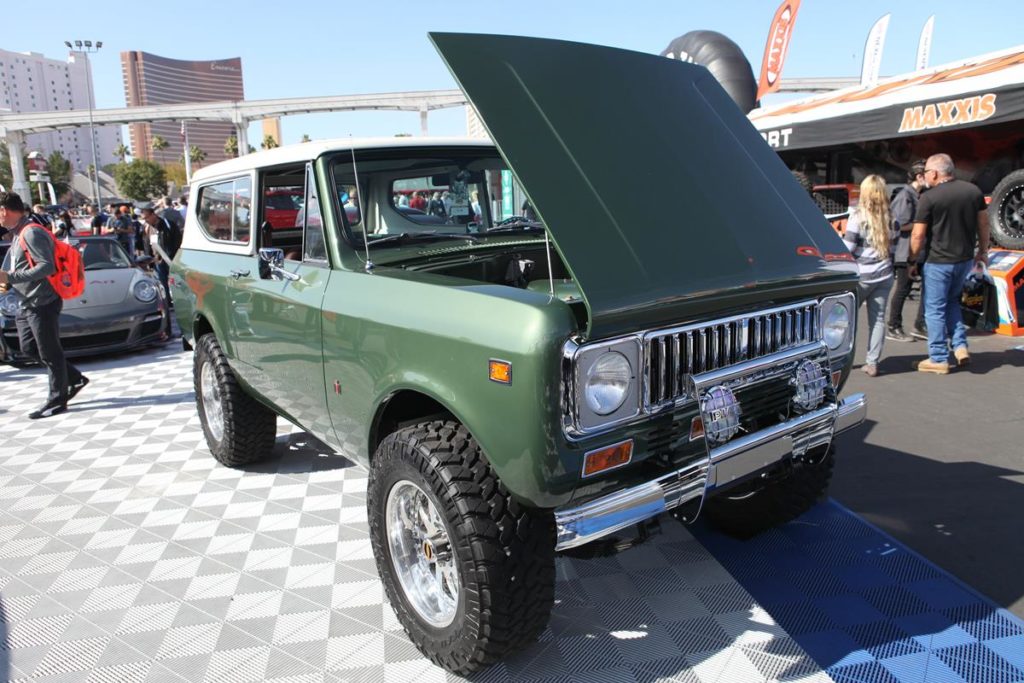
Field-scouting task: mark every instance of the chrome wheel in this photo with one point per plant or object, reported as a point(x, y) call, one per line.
point(422, 554)
point(213, 404)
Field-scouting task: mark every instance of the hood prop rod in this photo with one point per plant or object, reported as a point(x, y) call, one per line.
point(551, 272)
point(368, 266)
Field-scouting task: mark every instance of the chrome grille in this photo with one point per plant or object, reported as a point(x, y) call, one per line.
point(671, 356)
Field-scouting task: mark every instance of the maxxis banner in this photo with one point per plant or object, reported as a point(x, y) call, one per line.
point(779, 36)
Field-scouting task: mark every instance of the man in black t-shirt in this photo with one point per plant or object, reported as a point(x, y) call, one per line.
point(950, 218)
point(97, 220)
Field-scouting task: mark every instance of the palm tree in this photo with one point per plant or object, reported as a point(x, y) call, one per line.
point(269, 142)
point(305, 138)
point(196, 155)
point(231, 146)
point(158, 145)
point(121, 152)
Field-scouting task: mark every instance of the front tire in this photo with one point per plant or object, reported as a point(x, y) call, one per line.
point(239, 429)
point(468, 570)
point(757, 507)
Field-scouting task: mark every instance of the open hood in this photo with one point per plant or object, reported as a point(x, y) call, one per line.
point(655, 188)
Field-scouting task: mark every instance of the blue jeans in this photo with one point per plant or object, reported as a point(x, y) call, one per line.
point(876, 296)
point(943, 286)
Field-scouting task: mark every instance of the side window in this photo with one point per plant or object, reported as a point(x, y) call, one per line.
point(225, 210)
point(313, 247)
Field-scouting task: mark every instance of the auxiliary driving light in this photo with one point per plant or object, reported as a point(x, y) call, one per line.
point(809, 382)
point(721, 412)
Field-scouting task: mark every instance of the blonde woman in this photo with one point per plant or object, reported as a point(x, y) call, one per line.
point(869, 236)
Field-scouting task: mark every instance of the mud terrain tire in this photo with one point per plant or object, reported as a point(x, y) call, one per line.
point(247, 428)
point(503, 551)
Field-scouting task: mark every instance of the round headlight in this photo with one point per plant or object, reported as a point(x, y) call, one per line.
point(145, 291)
point(836, 326)
point(607, 383)
point(9, 305)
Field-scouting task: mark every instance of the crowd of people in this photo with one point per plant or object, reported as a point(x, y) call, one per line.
point(137, 228)
point(936, 230)
point(151, 230)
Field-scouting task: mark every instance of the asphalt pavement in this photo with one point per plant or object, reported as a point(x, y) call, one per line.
point(939, 463)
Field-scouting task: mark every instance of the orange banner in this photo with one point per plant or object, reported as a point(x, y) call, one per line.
point(777, 46)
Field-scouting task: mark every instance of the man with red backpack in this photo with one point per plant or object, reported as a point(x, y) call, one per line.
point(32, 263)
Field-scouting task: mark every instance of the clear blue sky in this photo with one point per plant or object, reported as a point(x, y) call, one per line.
point(301, 48)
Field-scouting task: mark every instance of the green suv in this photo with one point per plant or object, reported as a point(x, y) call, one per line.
point(623, 306)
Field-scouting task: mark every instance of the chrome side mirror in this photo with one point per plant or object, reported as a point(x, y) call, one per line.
point(272, 265)
point(272, 256)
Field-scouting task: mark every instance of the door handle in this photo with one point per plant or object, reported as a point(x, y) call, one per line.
point(239, 273)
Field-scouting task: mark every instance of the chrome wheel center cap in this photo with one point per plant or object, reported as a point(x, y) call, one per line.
point(421, 554)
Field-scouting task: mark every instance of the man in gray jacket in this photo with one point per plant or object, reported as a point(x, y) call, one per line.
point(902, 211)
point(39, 318)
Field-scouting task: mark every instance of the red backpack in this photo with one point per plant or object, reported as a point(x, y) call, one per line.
point(69, 279)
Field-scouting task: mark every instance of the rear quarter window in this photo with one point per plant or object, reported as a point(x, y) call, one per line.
point(225, 210)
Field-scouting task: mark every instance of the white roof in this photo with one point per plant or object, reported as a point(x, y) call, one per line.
point(307, 151)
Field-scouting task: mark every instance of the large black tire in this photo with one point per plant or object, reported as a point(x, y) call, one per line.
point(804, 182)
point(503, 551)
point(1006, 211)
point(749, 510)
point(249, 427)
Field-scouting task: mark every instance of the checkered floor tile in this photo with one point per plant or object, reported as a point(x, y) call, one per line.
point(869, 610)
point(128, 554)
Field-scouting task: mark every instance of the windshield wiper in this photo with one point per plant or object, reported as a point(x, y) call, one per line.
point(407, 237)
point(518, 225)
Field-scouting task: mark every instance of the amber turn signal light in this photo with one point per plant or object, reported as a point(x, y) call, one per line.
point(836, 376)
point(696, 428)
point(500, 371)
point(604, 459)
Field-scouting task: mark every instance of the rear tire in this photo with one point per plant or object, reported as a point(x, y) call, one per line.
point(751, 510)
point(1006, 211)
point(502, 552)
point(239, 429)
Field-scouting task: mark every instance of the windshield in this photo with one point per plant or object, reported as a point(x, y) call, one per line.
point(431, 195)
point(103, 255)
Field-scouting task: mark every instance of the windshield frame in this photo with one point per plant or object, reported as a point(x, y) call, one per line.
point(340, 162)
point(115, 247)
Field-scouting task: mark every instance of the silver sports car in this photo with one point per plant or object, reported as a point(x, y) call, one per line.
point(123, 306)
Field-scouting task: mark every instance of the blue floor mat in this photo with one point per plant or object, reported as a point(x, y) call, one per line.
point(866, 608)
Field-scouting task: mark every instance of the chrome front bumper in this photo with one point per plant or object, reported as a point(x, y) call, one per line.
point(736, 459)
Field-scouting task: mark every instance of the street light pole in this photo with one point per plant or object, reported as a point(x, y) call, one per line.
point(86, 50)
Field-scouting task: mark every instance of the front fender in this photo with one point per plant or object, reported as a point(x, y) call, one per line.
point(402, 334)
